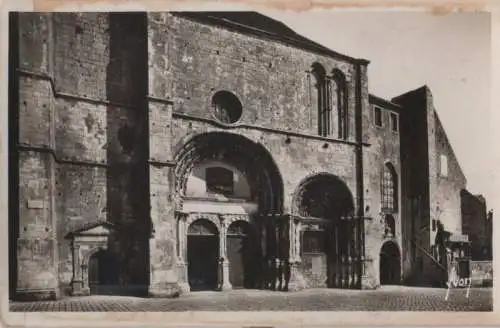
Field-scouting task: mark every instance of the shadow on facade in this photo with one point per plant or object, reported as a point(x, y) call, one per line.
point(128, 152)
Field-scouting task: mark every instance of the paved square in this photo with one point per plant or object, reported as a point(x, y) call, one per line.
point(393, 298)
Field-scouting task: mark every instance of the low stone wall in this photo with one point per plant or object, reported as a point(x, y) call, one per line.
point(481, 273)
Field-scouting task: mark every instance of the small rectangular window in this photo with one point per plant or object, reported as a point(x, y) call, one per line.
point(443, 166)
point(378, 116)
point(219, 181)
point(313, 242)
point(394, 122)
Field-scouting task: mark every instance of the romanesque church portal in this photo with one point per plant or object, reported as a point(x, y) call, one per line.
point(165, 153)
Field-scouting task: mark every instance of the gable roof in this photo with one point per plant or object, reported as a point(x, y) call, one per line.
point(254, 23)
point(90, 226)
point(375, 100)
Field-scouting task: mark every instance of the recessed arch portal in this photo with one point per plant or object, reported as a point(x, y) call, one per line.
point(248, 157)
point(329, 245)
point(324, 196)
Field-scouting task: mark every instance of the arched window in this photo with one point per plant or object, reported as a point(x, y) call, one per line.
point(323, 91)
point(340, 100)
point(389, 189)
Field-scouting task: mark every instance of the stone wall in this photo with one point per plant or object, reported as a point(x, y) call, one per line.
point(36, 242)
point(445, 186)
point(428, 194)
point(384, 149)
point(82, 86)
point(193, 61)
point(271, 79)
point(475, 225)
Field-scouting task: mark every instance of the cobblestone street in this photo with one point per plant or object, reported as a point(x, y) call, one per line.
point(393, 298)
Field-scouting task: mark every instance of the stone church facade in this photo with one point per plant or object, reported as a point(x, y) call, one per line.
point(163, 153)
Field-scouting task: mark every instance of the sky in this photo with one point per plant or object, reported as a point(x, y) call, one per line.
point(448, 53)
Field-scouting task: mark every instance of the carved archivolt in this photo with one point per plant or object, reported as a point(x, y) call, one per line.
point(320, 195)
point(231, 218)
point(221, 221)
point(214, 218)
point(250, 158)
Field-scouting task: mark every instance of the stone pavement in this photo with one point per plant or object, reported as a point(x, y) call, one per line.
point(387, 298)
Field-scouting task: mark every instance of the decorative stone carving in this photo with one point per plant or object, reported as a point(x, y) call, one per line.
point(224, 263)
point(86, 241)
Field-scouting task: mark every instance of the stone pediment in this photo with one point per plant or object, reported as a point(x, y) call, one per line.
point(97, 228)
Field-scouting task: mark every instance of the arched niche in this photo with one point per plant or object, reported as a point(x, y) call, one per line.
point(259, 178)
point(323, 196)
point(325, 204)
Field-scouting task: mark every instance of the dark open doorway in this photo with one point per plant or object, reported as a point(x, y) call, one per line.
point(242, 254)
point(390, 264)
point(103, 273)
point(203, 255)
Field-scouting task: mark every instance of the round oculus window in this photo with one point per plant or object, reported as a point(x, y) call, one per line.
point(227, 107)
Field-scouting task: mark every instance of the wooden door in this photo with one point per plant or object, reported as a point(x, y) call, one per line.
point(236, 261)
point(103, 273)
point(93, 271)
point(242, 253)
point(203, 255)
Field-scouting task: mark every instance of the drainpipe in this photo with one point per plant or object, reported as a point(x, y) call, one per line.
point(359, 167)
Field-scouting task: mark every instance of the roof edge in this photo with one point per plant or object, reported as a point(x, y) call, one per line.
point(205, 18)
point(376, 99)
point(424, 88)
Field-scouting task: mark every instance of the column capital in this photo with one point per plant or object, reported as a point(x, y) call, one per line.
point(181, 216)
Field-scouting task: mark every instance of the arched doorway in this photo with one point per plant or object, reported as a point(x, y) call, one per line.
point(203, 255)
point(103, 273)
point(390, 264)
point(242, 253)
point(325, 204)
point(220, 172)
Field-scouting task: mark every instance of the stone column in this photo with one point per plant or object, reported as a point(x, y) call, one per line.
point(181, 252)
point(225, 284)
point(297, 281)
point(76, 281)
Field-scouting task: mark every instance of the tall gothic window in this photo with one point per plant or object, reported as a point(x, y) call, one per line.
point(389, 189)
point(323, 91)
point(340, 99)
point(331, 96)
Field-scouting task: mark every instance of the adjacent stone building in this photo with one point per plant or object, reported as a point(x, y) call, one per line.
point(477, 224)
point(162, 153)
